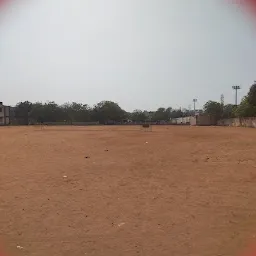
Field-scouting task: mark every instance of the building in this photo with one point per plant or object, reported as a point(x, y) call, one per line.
point(198, 120)
point(4, 114)
point(181, 120)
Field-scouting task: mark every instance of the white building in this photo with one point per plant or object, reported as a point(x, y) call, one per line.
point(181, 120)
point(4, 114)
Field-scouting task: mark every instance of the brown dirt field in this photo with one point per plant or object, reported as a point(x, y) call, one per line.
point(188, 191)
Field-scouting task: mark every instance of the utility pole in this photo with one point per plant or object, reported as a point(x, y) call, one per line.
point(195, 100)
point(236, 88)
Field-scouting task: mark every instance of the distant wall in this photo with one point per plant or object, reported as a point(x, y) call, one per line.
point(205, 120)
point(237, 122)
point(202, 120)
point(193, 121)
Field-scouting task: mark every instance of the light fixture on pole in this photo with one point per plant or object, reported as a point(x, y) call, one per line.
point(236, 88)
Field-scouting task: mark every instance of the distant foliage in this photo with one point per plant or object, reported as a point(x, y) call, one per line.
point(107, 112)
point(104, 112)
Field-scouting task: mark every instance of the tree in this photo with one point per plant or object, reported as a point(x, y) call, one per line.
point(22, 112)
point(168, 113)
point(139, 116)
point(108, 111)
point(251, 97)
point(37, 113)
point(214, 109)
point(162, 114)
point(52, 112)
point(85, 114)
point(228, 111)
point(148, 115)
point(76, 112)
point(176, 113)
point(159, 114)
point(245, 109)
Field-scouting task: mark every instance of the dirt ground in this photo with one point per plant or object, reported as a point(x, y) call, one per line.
point(114, 191)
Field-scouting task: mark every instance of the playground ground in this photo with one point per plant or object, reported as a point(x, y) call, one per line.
point(112, 191)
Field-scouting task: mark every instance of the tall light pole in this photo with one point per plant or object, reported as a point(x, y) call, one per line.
point(195, 100)
point(222, 99)
point(236, 88)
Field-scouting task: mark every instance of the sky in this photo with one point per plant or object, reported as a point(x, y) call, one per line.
point(142, 54)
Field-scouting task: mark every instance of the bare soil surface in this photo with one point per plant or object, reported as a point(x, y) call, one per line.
point(117, 191)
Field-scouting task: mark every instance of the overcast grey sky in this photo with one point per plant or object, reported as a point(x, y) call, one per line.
point(140, 53)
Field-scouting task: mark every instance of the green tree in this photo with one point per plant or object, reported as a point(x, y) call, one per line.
point(214, 109)
point(176, 113)
point(251, 97)
point(52, 112)
point(159, 115)
point(139, 116)
point(108, 111)
point(228, 111)
point(77, 112)
point(245, 109)
point(22, 112)
point(163, 114)
point(37, 113)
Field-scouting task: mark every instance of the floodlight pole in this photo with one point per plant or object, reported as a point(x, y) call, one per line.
point(236, 88)
point(195, 100)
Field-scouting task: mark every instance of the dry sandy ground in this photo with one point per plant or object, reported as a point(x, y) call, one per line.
point(187, 191)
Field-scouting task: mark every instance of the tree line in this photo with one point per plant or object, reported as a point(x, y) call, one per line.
point(104, 112)
point(107, 112)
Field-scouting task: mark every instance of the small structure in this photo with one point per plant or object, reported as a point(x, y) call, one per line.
point(4, 114)
point(146, 127)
